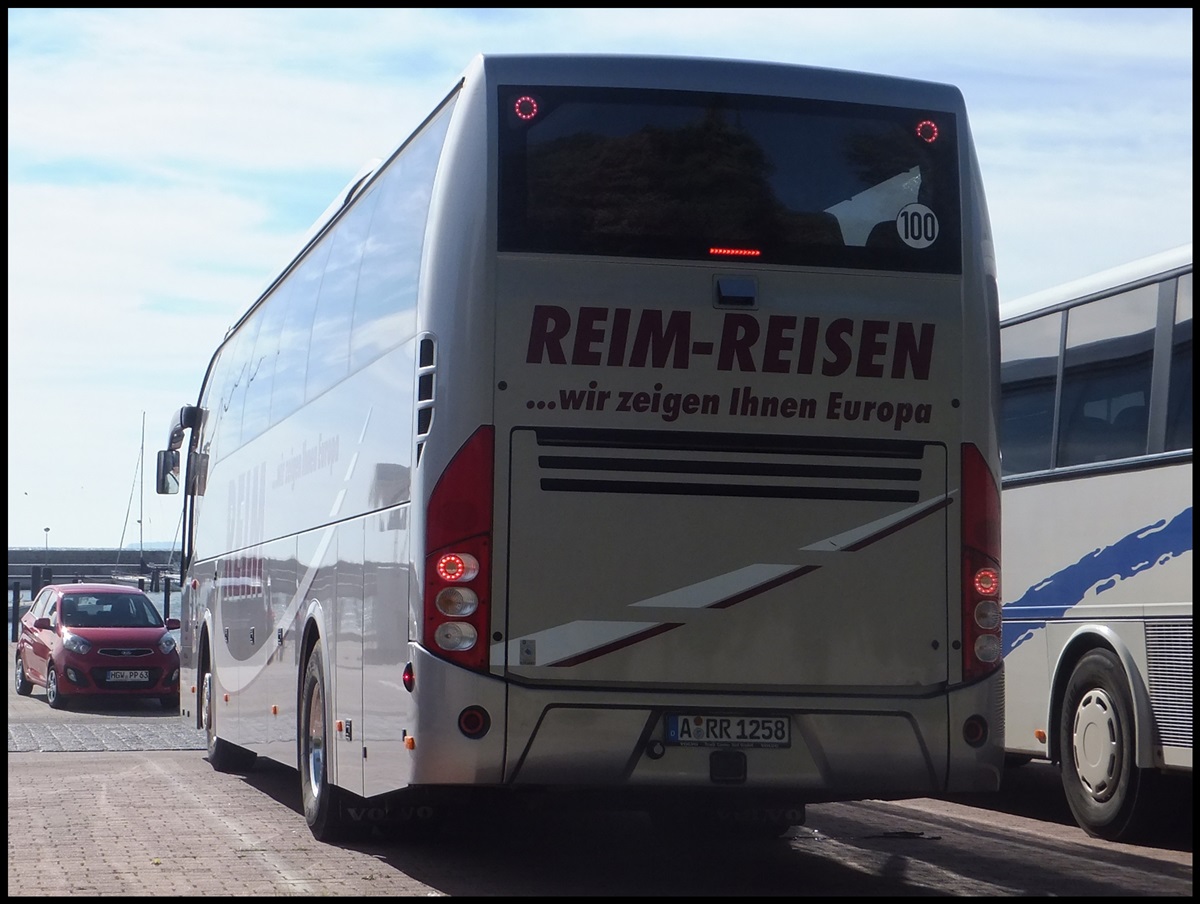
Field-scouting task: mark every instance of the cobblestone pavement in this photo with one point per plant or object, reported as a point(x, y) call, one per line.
point(117, 798)
point(132, 807)
point(75, 737)
point(161, 822)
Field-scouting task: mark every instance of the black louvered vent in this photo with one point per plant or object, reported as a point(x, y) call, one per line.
point(426, 380)
point(678, 463)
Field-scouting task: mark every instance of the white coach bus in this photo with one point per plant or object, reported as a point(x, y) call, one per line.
point(1096, 432)
point(628, 435)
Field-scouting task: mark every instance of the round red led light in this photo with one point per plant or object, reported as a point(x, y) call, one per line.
point(451, 568)
point(454, 567)
point(927, 131)
point(987, 582)
point(526, 107)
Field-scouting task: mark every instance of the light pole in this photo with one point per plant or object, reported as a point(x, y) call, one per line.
point(47, 530)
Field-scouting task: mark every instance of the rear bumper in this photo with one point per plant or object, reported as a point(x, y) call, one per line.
point(838, 751)
point(840, 747)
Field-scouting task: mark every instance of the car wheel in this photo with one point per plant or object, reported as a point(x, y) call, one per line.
point(54, 696)
point(23, 684)
point(322, 800)
point(1109, 796)
point(223, 756)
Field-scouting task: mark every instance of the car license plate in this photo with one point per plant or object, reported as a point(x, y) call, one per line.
point(128, 675)
point(685, 730)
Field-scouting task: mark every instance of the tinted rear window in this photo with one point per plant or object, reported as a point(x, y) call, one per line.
point(672, 174)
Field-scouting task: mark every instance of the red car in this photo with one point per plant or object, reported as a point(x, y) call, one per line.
point(87, 640)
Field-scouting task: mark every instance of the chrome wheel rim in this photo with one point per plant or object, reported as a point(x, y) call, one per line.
point(206, 705)
point(315, 739)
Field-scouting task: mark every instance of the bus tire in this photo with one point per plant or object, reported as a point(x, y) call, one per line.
point(322, 799)
point(223, 756)
point(1107, 793)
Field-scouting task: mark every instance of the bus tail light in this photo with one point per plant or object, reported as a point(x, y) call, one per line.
point(455, 637)
point(457, 602)
point(458, 529)
point(981, 617)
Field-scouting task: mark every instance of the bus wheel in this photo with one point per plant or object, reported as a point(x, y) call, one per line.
point(1105, 789)
point(322, 800)
point(222, 755)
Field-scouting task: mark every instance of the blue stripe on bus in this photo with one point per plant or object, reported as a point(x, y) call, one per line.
point(1050, 598)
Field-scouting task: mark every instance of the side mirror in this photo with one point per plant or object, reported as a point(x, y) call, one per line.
point(168, 472)
point(41, 624)
point(172, 624)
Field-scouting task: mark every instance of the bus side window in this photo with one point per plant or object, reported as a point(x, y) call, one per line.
point(329, 346)
point(1129, 431)
point(1179, 396)
point(1083, 440)
point(1029, 382)
point(1107, 361)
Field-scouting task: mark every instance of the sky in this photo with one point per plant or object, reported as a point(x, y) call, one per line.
point(164, 164)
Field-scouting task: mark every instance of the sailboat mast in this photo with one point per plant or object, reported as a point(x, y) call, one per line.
point(142, 496)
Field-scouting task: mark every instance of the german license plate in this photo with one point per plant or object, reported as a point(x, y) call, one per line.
point(685, 730)
point(128, 675)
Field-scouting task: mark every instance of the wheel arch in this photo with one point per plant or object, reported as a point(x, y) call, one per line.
point(1083, 640)
point(323, 809)
point(203, 664)
point(310, 635)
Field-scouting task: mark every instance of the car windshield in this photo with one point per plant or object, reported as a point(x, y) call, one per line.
point(109, 610)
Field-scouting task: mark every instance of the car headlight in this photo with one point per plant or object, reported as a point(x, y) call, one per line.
point(167, 644)
point(75, 643)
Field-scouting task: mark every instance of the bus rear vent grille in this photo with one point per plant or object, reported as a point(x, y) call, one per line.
point(663, 463)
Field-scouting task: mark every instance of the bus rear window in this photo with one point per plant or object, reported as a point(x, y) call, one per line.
point(700, 176)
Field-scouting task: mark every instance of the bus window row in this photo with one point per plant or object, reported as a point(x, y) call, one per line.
point(350, 299)
point(1107, 379)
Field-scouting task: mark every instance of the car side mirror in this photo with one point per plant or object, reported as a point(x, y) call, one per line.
point(172, 624)
point(41, 624)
